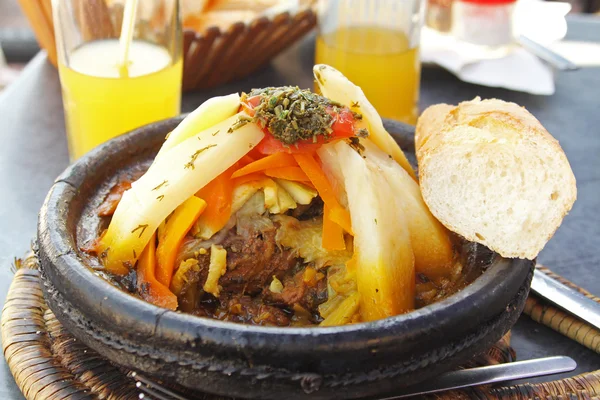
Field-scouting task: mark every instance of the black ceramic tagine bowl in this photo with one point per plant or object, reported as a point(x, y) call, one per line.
point(251, 361)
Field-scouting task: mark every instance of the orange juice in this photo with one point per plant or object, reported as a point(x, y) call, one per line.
point(379, 60)
point(100, 103)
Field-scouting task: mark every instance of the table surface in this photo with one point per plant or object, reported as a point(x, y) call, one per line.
point(33, 152)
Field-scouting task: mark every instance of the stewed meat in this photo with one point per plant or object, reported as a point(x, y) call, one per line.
point(252, 261)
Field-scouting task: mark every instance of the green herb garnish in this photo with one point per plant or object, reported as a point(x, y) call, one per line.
point(194, 156)
point(140, 228)
point(355, 143)
point(238, 124)
point(363, 133)
point(163, 183)
point(292, 114)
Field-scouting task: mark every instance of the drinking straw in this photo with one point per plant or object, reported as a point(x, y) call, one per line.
point(126, 35)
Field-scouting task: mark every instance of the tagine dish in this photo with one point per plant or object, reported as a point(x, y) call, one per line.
point(289, 208)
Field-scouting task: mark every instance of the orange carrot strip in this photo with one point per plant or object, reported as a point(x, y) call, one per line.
point(176, 227)
point(333, 235)
point(341, 216)
point(289, 173)
point(152, 290)
point(311, 168)
point(309, 184)
point(217, 194)
point(256, 176)
point(276, 160)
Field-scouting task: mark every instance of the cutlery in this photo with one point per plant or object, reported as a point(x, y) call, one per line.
point(551, 57)
point(490, 374)
point(565, 297)
point(153, 390)
point(449, 380)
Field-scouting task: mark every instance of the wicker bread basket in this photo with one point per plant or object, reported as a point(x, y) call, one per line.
point(212, 57)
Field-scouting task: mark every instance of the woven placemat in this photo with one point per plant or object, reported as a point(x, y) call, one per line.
point(562, 322)
point(47, 362)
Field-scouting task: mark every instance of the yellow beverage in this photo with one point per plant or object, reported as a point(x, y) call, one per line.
point(381, 62)
point(100, 104)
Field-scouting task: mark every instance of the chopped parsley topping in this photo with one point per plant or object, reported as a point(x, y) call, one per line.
point(292, 114)
point(355, 143)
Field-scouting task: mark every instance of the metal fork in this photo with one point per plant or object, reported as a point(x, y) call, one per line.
point(150, 390)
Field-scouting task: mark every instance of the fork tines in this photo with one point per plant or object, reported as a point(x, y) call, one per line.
point(150, 390)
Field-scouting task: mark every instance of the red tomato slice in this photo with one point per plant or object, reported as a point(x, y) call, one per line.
point(271, 145)
point(249, 104)
point(253, 101)
point(343, 127)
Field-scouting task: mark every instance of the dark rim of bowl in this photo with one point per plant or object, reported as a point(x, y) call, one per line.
point(57, 237)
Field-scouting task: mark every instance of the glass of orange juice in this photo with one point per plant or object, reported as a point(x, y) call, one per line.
point(375, 43)
point(102, 96)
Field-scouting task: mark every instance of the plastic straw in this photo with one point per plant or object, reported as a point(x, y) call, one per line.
point(126, 35)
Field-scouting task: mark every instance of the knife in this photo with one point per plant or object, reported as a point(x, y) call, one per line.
point(546, 54)
point(566, 298)
point(490, 374)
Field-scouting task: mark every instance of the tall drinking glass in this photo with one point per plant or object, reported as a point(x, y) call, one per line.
point(375, 43)
point(101, 98)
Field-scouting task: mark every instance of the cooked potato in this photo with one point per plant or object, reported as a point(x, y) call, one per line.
point(173, 178)
point(335, 86)
point(428, 237)
point(284, 201)
point(216, 269)
point(210, 113)
point(383, 257)
point(301, 194)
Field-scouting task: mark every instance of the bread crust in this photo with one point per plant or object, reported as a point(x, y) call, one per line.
point(492, 173)
point(430, 123)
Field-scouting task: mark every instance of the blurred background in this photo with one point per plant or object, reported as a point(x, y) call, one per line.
point(16, 41)
point(18, 44)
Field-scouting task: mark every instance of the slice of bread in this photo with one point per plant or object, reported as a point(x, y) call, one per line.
point(490, 172)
